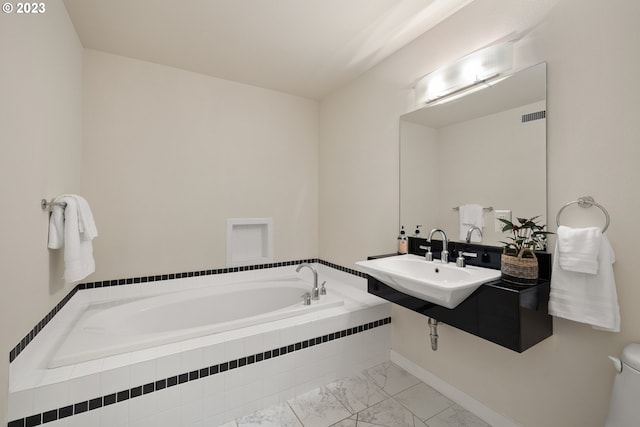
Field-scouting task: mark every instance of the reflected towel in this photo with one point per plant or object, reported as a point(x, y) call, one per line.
point(471, 215)
point(578, 249)
point(587, 298)
point(73, 229)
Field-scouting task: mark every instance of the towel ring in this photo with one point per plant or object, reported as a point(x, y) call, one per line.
point(585, 202)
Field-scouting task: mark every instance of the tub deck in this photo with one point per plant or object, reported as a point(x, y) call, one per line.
point(123, 325)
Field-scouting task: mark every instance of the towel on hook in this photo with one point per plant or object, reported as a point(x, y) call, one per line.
point(578, 249)
point(471, 215)
point(72, 227)
point(584, 297)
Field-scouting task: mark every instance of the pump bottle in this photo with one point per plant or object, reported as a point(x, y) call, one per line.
point(403, 242)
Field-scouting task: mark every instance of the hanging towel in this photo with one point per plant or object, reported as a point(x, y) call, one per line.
point(584, 297)
point(73, 228)
point(56, 227)
point(578, 249)
point(471, 215)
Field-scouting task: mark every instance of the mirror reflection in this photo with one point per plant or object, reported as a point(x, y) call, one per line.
point(487, 148)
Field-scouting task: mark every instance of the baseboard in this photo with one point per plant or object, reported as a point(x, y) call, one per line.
point(487, 414)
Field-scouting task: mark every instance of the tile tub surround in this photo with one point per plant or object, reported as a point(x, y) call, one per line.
point(382, 396)
point(213, 379)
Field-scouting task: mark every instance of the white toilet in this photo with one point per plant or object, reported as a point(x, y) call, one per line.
point(624, 409)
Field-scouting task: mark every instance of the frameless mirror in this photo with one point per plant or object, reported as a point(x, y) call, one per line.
point(486, 148)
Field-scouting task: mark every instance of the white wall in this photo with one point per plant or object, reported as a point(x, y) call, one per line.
point(592, 127)
point(40, 157)
point(169, 155)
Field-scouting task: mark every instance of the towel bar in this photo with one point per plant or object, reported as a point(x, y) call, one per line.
point(585, 202)
point(489, 209)
point(47, 206)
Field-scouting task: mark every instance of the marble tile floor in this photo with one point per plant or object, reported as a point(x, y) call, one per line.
point(382, 396)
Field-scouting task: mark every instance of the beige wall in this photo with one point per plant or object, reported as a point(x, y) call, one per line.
point(592, 129)
point(169, 155)
point(40, 157)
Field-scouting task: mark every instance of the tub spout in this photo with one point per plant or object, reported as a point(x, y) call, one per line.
point(315, 291)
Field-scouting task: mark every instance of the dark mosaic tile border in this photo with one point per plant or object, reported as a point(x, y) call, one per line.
point(341, 268)
point(161, 277)
point(156, 278)
point(41, 324)
point(131, 393)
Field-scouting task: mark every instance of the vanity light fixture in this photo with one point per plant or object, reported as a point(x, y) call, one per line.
point(476, 71)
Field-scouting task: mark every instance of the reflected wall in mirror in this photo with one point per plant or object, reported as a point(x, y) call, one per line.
point(486, 148)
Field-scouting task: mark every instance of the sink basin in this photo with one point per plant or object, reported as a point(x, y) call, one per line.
point(443, 284)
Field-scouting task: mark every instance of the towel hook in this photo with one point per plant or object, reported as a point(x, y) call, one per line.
point(585, 202)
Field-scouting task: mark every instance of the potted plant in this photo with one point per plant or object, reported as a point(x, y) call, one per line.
point(519, 262)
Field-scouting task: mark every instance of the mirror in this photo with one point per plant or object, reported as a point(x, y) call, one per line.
point(486, 148)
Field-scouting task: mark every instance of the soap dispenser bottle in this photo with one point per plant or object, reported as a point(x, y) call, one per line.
point(417, 233)
point(403, 242)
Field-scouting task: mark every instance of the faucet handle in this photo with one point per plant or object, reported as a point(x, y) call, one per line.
point(323, 289)
point(306, 298)
point(429, 255)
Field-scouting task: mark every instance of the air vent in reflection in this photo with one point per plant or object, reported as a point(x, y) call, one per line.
point(534, 116)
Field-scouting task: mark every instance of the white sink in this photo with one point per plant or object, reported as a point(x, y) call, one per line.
point(443, 284)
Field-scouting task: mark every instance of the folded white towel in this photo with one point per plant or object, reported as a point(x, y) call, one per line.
point(73, 228)
point(471, 215)
point(584, 297)
point(578, 249)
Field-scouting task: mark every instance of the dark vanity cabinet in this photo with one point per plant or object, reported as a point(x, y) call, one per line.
point(512, 316)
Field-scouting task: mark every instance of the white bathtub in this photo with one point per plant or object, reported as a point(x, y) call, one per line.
point(119, 326)
point(167, 354)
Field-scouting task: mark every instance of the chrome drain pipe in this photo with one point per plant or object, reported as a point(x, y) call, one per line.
point(433, 333)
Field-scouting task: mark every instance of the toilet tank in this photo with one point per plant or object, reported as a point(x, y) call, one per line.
point(624, 408)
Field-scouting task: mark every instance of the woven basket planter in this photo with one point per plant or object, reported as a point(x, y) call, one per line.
point(518, 269)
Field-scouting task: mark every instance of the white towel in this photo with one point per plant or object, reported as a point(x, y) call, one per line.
point(471, 215)
point(587, 298)
point(578, 249)
point(73, 228)
point(56, 227)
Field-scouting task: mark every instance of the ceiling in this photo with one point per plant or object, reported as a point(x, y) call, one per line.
point(302, 47)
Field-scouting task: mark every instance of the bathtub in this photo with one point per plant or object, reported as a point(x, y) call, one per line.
point(196, 351)
point(119, 326)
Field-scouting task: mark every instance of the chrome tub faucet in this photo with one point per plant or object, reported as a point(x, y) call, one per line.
point(315, 291)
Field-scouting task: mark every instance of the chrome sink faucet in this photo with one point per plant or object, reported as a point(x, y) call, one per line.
point(470, 232)
point(315, 291)
point(444, 256)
